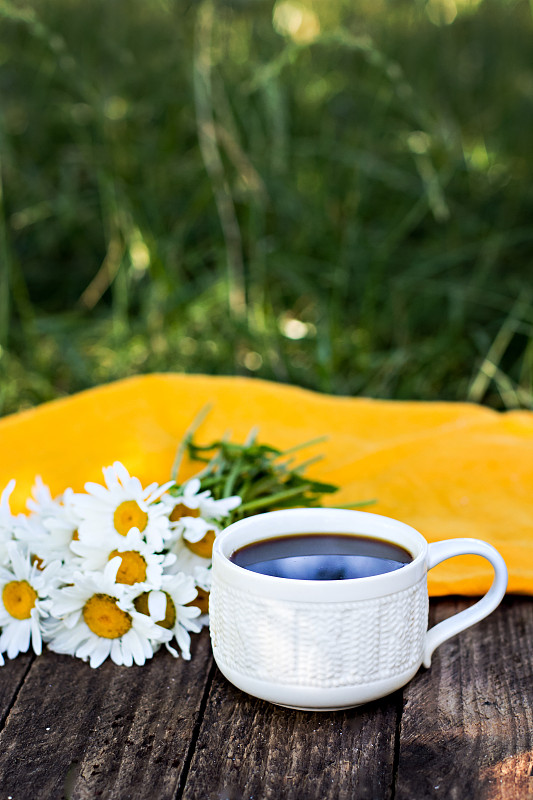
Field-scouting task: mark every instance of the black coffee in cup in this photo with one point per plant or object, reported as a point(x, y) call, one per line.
point(321, 556)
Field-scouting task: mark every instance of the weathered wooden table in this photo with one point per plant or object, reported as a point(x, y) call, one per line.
point(176, 729)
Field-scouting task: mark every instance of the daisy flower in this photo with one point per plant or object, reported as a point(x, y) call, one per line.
point(199, 535)
point(6, 522)
point(24, 603)
point(41, 502)
point(110, 512)
point(62, 527)
point(187, 553)
point(138, 562)
point(193, 517)
point(191, 502)
point(33, 536)
point(98, 619)
point(59, 519)
point(171, 608)
point(49, 530)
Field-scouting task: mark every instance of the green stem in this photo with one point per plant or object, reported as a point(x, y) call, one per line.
point(273, 499)
point(263, 485)
point(359, 505)
point(188, 436)
point(297, 447)
point(252, 436)
point(232, 477)
point(305, 464)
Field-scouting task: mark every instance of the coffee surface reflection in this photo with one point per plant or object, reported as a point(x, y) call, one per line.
point(321, 556)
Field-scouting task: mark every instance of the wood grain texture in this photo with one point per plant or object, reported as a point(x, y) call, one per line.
point(251, 749)
point(113, 732)
point(12, 676)
point(167, 731)
point(467, 723)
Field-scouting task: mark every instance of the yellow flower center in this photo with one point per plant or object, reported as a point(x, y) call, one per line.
point(19, 599)
point(75, 536)
point(203, 548)
point(169, 620)
point(105, 618)
point(38, 562)
point(201, 600)
point(129, 515)
point(182, 510)
point(132, 567)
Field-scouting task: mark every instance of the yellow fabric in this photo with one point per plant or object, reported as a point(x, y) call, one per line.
point(447, 469)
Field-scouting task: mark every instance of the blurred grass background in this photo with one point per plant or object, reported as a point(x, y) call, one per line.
point(334, 194)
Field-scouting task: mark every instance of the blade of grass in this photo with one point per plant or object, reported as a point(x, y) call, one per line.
point(189, 433)
point(5, 272)
point(209, 148)
point(501, 342)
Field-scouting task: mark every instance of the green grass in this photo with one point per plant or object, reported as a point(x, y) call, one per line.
point(337, 195)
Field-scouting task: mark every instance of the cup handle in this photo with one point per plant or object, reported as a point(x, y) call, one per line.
point(440, 551)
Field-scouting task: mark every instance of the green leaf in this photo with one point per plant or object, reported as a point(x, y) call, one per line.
point(263, 476)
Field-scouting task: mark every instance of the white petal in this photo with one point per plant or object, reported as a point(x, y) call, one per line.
point(5, 638)
point(16, 638)
point(172, 650)
point(158, 491)
point(135, 646)
point(184, 642)
point(192, 487)
point(190, 622)
point(4, 500)
point(111, 569)
point(100, 652)
point(219, 508)
point(62, 604)
point(116, 652)
point(110, 478)
point(147, 647)
point(21, 566)
point(36, 635)
point(196, 528)
point(121, 472)
point(72, 619)
point(86, 647)
point(67, 641)
point(94, 490)
point(157, 605)
point(127, 656)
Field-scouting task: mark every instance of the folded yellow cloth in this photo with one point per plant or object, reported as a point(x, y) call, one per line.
point(447, 469)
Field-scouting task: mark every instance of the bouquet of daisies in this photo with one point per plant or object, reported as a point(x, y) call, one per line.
point(120, 570)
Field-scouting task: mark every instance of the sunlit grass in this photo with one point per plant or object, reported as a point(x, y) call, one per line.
point(336, 195)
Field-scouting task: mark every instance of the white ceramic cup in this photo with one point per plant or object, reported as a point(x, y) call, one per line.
point(325, 645)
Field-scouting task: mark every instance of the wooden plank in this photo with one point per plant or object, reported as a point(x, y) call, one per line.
point(251, 749)
point(12, 676)
point(467, 725)
point(466, 729)
point(113, 732)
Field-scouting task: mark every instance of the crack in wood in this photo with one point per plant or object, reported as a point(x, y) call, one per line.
point(397, 739)
point(248, 748)
point(17, 684)
point(195, 733)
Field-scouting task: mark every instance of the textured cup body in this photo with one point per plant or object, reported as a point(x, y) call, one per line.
point(319, 645)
